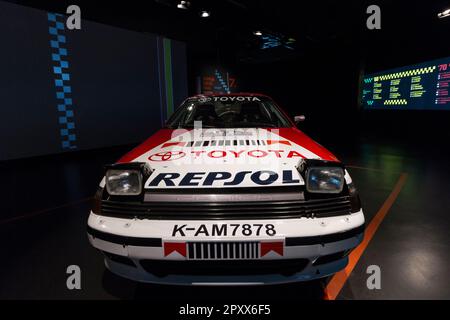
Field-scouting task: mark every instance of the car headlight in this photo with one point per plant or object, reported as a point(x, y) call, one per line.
point(124, 182)
point(324, 179)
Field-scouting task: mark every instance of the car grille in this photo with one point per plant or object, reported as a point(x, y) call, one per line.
point(228, 210)
point(222, 250)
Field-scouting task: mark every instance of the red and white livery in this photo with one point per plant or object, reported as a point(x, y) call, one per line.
point(229, 192)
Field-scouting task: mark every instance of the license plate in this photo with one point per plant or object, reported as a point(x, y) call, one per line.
point(224, 230)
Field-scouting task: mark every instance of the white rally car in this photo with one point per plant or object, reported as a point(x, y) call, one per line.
point(228, 192)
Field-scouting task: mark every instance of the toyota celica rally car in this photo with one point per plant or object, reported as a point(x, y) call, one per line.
point(228, 192)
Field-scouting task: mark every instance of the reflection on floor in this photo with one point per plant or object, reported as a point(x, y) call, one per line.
point(45, 204)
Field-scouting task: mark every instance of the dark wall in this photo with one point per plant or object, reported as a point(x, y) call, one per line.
point(114, 89)
point(320, 86)
point(116, 80)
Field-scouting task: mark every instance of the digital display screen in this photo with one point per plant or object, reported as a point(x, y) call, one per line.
point(423, 86)
point(217, 80)
point(275, 41)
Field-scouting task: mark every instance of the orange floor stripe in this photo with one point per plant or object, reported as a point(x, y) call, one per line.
point(338, 280)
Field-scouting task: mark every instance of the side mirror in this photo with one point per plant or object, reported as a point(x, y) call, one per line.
point(298, 119)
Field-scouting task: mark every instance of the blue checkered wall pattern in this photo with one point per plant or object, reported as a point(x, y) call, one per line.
point(62, 80)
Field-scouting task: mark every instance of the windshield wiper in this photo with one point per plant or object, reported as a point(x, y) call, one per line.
point(184, 126)
point(259, 124)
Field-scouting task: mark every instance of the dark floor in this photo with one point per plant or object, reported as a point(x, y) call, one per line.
point(45, 204)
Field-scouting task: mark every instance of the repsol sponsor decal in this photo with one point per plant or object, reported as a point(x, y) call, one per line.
point(229, 99)
point(222, 179)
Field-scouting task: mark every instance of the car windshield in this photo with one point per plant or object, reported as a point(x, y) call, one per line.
point(228, 112)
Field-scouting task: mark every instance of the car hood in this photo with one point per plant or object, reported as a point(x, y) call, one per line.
point(223, 158)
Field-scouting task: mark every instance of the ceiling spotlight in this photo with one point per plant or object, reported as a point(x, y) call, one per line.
point(444, 14)
point(183, 5)
point(205, 14)
point(257, 33)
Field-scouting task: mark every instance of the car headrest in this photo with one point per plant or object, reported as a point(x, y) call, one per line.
point(205, 110)
point(250, 108)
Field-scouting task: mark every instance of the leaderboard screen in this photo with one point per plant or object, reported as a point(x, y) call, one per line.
point(423, 86)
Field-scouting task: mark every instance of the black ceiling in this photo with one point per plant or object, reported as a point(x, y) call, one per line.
point(411, 31)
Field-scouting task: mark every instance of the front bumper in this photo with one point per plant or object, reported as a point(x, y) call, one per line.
point(307, 249)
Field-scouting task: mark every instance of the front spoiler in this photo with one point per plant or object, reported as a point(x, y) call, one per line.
point(307, 274)
point(303, 238)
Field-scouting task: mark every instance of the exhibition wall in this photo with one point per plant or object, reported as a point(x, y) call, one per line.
point(64, 90)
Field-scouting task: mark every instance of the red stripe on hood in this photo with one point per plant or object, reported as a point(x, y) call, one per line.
point(155, 140)
point(298, 137)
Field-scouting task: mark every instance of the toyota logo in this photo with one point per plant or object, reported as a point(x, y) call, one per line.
point(204, 99)
point(167, 156)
